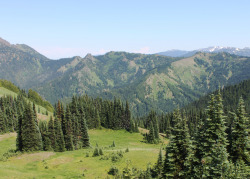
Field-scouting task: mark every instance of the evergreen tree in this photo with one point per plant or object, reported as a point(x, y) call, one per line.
point(96, 152)
point(212, 138)
point(170, 168)
point(132, 126)
point(151, 135)
point(2, 123)
point(136, 128)
point(158, 168)
point(217, 164)
point(85, 135)
point(113, 144)
point(29, 134)
point(38, 132)
point(19, 141)
point(239, 153)
point(34, 111)
point(51, 134)
point(180, 143)
point(68, 130)
point(152, 117)
point(97, 120)
point(45, 138)
point(127, 119)
point(240, 135)
point(60, 143)
point(100, 151)
point(168, 128)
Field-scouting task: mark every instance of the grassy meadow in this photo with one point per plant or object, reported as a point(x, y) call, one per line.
point(73, 164)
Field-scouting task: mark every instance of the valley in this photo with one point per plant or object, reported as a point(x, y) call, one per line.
point(146, 81)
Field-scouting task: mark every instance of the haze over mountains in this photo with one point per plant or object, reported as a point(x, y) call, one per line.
point(146, 81)
point(216, 49)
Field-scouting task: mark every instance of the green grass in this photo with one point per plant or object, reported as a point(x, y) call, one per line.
point(73, 164)
point(6, 92)
point(7, 142)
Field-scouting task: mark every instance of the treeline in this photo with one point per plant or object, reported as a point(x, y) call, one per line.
point(58, 134)
point(101, 113)
point(8, 85)
point(230, 96)
point(10, 110)
point(198, 109)
point(69, 128)
point(214, 149)
point(31, 95)
point(36, 98)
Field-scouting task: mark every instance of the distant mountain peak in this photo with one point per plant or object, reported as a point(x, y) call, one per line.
point(4, 42)
point(213, 49)
point(89, 55)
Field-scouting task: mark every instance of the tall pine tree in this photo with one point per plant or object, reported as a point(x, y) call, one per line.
point(29, 133)
point(85, 135)
point(60, 143)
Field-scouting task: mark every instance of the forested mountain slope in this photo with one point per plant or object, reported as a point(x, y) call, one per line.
point(230, 96)
point(146, 81)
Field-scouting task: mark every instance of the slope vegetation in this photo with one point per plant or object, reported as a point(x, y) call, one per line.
point(146, 81)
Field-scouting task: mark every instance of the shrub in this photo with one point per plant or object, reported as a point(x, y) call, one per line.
point(113, 171)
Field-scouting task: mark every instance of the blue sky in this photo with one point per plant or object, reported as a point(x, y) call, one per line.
point(68, 28)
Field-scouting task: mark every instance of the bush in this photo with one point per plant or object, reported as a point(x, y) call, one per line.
point(113, 171)
point(96, 152)
point(100, 152)
point(105, 157)
point(113, 144)
point(8, 154)
point(115, 157)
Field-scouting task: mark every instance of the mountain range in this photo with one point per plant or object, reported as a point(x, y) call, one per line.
point(216, 49)
point(147, 81)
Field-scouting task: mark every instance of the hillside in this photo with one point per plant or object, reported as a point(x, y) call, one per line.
point(146, 81)
point(9, 89)
point(169, 86)
point(230, 95)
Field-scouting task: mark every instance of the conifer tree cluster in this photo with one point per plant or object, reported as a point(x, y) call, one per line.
point(69, 128)
point(214, 151)
point(153, 126)
point(102, 113)
point(11, 108)
point(68, 131)
point(62, 133)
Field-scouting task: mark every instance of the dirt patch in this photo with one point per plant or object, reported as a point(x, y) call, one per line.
point(61, 160)
point(42, 117)
point(8, 135)
point(36, 156)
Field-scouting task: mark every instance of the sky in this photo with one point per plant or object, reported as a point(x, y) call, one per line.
point(60, 29)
